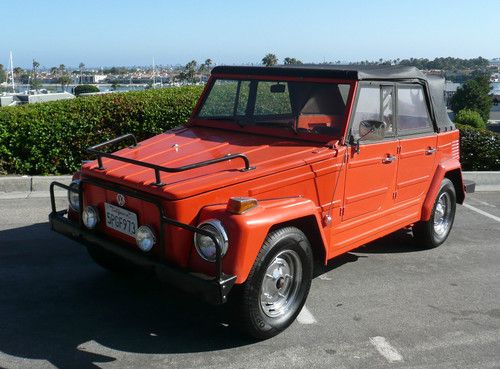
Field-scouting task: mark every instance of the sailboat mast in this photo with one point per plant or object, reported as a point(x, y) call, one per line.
point(12, 73)
point(154, 77)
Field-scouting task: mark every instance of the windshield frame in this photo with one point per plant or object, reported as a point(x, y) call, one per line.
point(231, 124)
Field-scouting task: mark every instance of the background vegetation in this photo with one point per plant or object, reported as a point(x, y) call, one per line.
point(84, 89)
point(473, 95)
point(471, 118)
point(479, 148)
point(50, 138)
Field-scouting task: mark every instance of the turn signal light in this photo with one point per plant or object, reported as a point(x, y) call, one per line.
point(238, 205)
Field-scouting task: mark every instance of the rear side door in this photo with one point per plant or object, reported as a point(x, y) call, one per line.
point(417, 142)
point(371, 172)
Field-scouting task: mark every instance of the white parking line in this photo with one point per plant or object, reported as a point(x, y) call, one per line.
point(305, 316)
point(482, 212)
point(385, 349)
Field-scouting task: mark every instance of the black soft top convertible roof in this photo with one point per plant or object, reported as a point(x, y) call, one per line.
point(357, 72)
point(434, 84)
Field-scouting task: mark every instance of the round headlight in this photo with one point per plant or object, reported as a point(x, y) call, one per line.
point(145, 238)
point(205, 245)
point(90, 217)
point(74, 197)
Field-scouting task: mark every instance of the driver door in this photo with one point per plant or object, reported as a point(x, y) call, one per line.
point(371, 170)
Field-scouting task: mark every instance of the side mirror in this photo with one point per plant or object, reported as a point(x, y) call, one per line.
point(372, 130)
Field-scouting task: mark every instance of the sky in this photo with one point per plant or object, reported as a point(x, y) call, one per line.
point(133, 32)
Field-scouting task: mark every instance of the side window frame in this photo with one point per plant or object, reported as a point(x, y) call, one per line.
point(380, 85)
point(417, 131)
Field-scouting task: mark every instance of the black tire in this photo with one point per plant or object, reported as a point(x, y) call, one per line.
point(429, 234)
point(109, 261)
point(285, 250)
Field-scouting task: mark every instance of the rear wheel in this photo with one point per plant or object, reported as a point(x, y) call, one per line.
point(435, 231)
point(278, 284)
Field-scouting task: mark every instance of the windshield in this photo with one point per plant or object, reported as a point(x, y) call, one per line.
point(301, 106)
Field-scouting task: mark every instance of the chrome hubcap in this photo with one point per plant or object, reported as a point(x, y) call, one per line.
point(281, 283)
point(442, 214)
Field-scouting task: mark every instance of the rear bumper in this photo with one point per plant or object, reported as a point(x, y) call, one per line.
point(213, 290)
point(469, 186)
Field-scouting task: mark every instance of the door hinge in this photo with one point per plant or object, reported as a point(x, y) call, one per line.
point(342, 211)
point(394, 195)
point(398, 150)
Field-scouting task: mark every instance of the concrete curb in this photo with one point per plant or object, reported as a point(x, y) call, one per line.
point(483, 178)
point(36, 185)
point(30, 183)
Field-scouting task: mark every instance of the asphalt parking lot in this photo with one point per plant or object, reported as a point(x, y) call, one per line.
point(388, 304)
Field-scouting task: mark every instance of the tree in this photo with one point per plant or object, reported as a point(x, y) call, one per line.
point(188, 72)
point(82, 89)
point(291, 61)
point(81, 66)
point(470, 118)
point(3, 74)
point(62, 68)
point(18, 71)
point(64, 80)
point(35, 83)
point(473, 95)
point(206, 66)
point(269, 60)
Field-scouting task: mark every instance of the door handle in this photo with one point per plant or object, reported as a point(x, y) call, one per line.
point(389, 159)
point(430, 151)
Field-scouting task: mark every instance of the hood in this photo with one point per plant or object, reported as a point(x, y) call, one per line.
point(189, 145)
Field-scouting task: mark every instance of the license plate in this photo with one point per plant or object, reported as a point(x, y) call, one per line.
point(120, 220)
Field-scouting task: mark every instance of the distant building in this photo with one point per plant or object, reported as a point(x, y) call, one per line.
point(91, 79)
point(24, 98)
point(449, 90)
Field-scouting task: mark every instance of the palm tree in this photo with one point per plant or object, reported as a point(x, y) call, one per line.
point(64, 80)
point(35, 84)
point(81, 67)
point(62, 68)
point(208, 63)
point(269, 60)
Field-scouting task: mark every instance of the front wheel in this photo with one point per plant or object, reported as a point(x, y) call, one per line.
point(278, 284)
point(435, 231)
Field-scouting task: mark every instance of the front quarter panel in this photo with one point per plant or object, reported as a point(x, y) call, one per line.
point(248, 231)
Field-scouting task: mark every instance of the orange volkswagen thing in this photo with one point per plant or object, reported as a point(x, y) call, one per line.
point(277, 168)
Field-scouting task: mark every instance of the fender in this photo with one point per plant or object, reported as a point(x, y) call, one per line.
point(443, 168)
point(247, 231)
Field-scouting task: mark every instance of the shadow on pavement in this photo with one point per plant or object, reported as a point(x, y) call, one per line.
point(397, 242)
point(335, 263)
point(54, 300)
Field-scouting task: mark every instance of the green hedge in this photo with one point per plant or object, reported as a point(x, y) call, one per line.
point(50, 138)
point(479, 148)
point(471, 118)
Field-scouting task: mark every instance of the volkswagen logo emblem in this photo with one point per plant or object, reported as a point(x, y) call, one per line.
point(120, 199)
